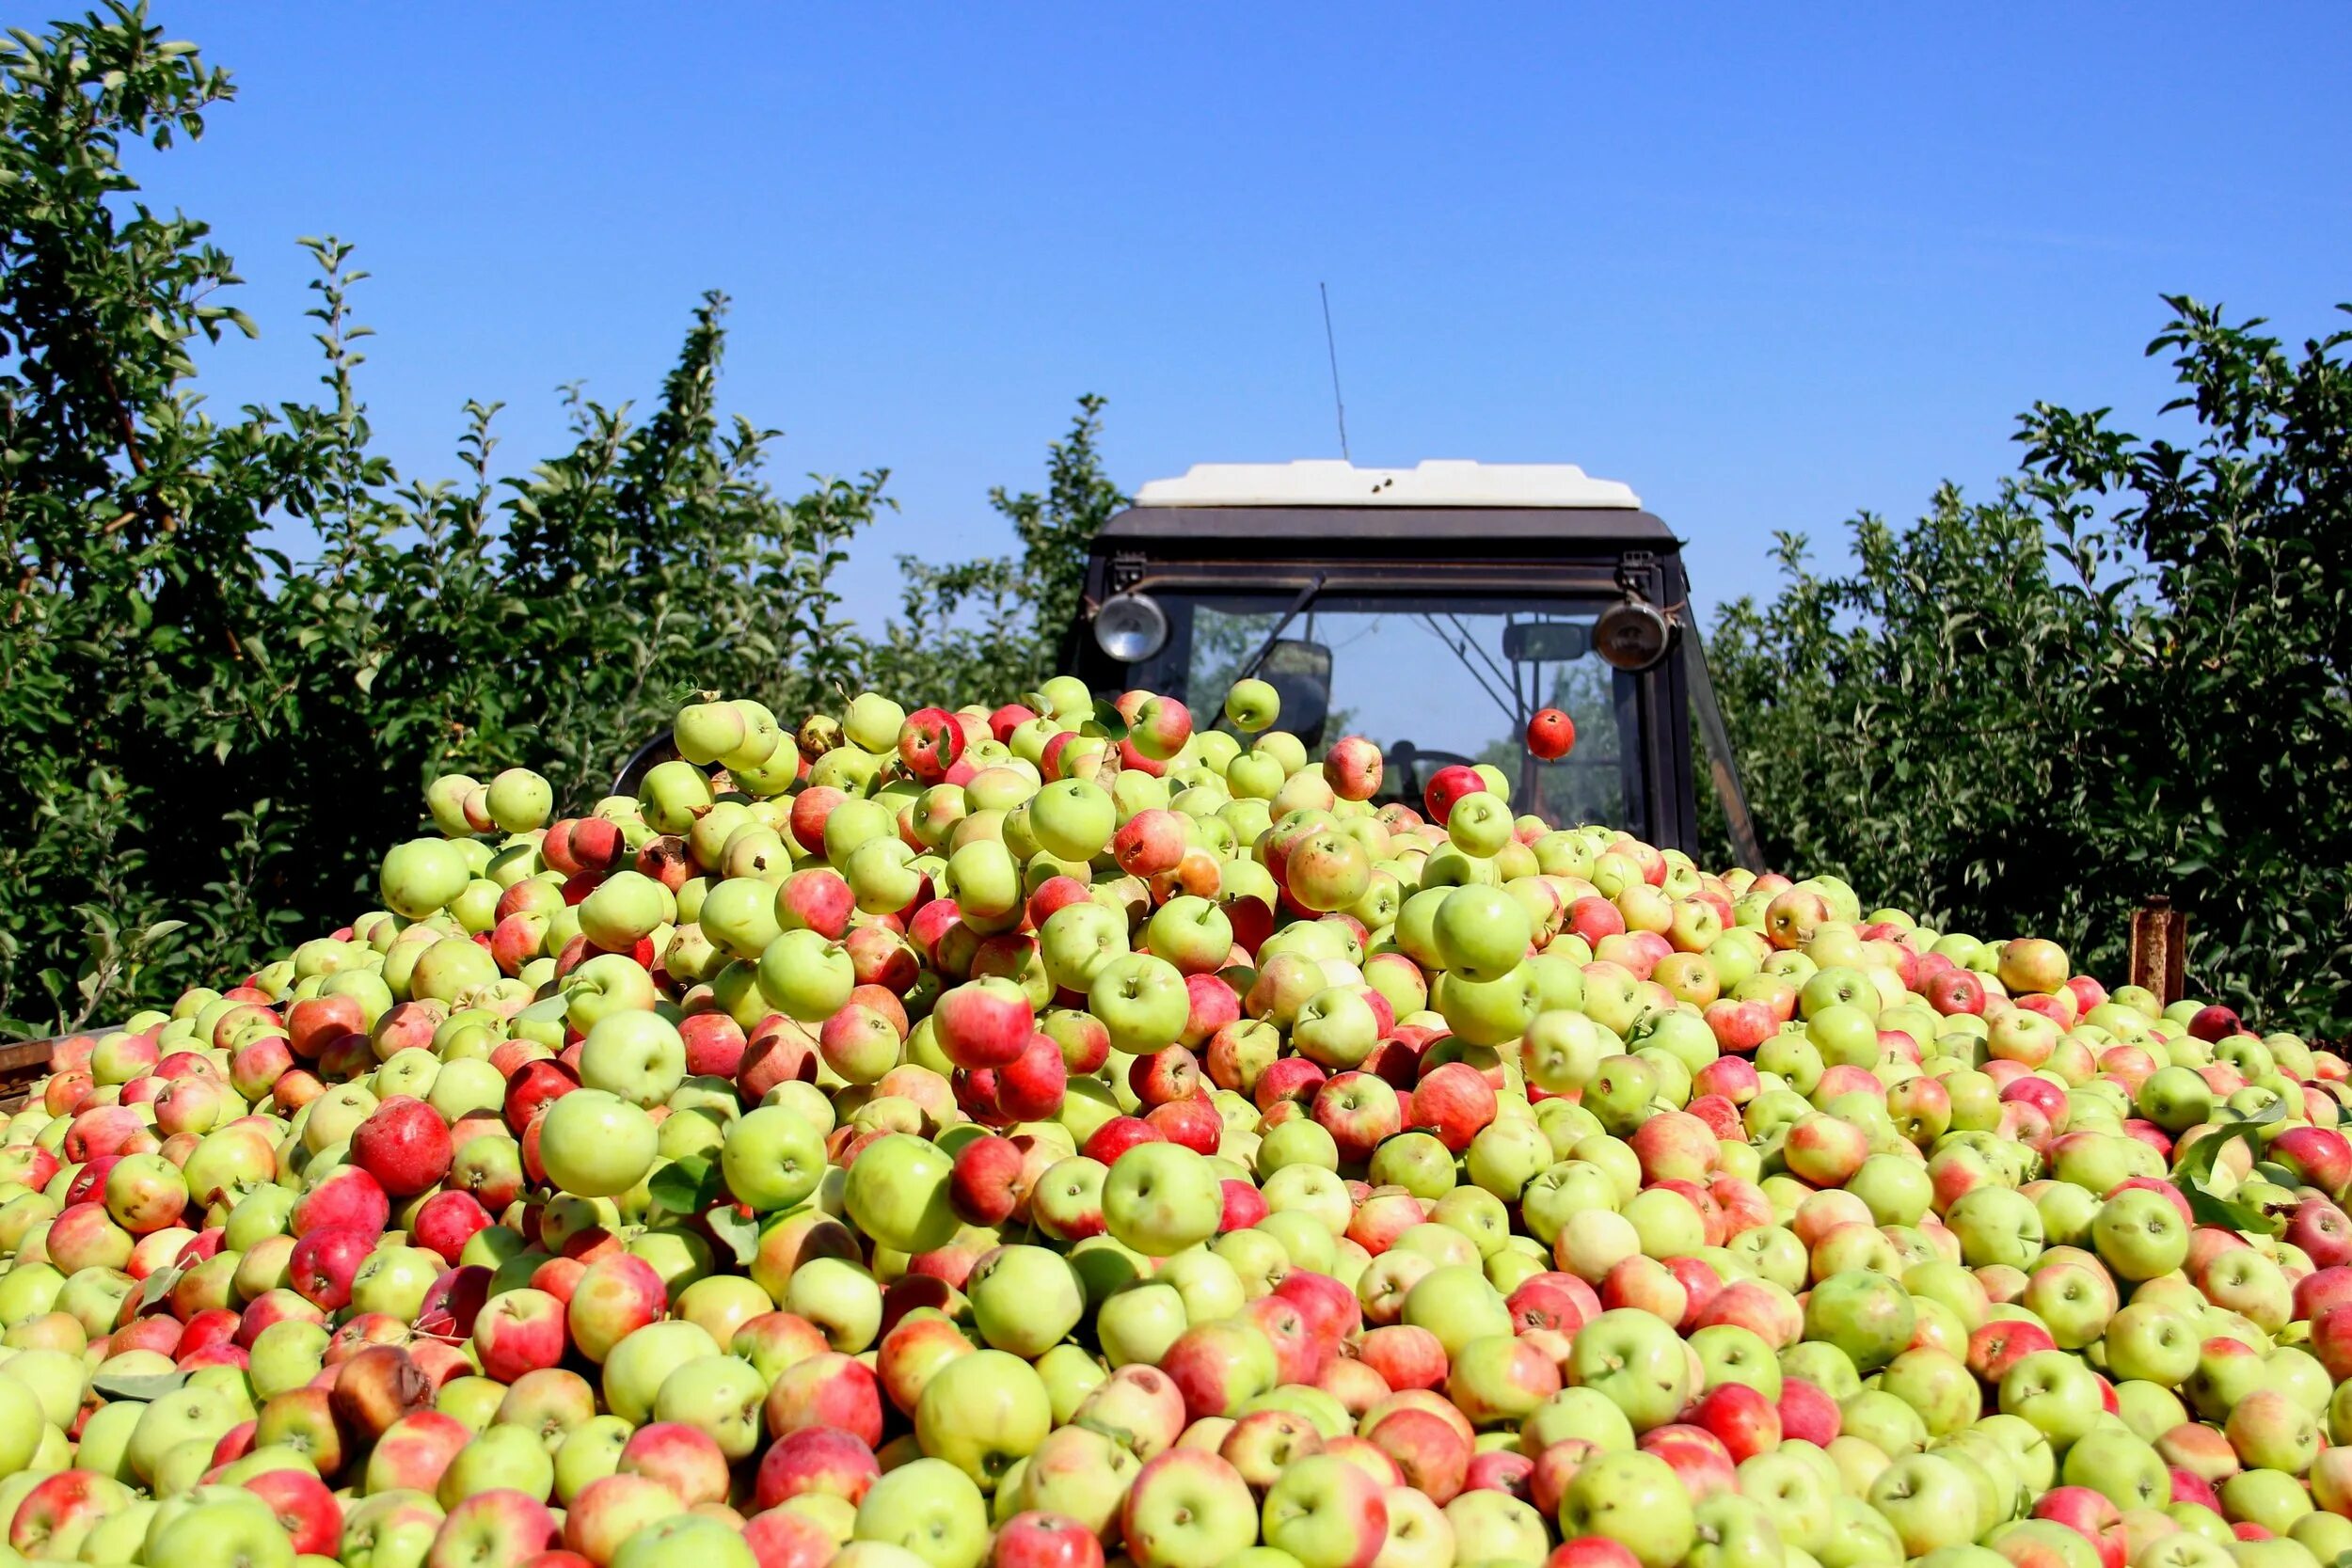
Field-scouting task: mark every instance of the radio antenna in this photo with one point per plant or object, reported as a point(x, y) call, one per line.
point(1331, 344)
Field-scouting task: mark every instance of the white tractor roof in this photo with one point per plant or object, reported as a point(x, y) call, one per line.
point(1327, 481)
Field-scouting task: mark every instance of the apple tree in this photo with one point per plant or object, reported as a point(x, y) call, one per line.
point(2126, 673)
point(233, 645)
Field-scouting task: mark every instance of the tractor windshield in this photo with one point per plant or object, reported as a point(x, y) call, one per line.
point(1433, 679)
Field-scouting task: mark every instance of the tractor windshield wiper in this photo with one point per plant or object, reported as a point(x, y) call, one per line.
point(1513, 710)
point(1306, 596)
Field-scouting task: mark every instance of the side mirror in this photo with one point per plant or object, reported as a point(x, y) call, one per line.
point(1301, 673)
point(1546, 641)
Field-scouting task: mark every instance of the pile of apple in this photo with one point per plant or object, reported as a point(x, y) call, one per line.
point(1060, 1136)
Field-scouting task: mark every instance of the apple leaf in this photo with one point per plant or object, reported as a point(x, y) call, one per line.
point(2193, 1174)
point(156, 1287)
point(145, 1388)
point(736, 1231)
point(2197, 1165)
point(684, 1186)
point(2206, 1208)
point(1106, 719)
point(1126, 1437)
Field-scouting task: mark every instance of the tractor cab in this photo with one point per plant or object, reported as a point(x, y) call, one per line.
point(1432, 609)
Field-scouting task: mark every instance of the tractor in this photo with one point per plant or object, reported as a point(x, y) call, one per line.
point(1434, 610)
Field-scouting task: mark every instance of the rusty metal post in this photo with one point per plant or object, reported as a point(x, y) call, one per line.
point(2159, 942)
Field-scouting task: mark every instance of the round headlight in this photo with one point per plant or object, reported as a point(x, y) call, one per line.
point(1631, 636)
point(1130, 627)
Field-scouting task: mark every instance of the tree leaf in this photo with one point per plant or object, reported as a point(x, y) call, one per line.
point(733, 1230)
point(2196, 1166)
point(144, 1388)
point(157, 1286)
point(683, 1186)
point(2230, 1213)
point(2193, 1174)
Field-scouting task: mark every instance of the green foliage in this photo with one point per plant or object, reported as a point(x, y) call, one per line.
point(200, 727)
point(2126, 673)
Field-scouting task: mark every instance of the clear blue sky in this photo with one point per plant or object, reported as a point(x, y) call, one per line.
point(1767, 264)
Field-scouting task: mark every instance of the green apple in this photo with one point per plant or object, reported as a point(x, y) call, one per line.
point(773, 1157)
point(2056, 1393)
point(394, 1279)
point(897, 1192)
point(624, 909)
point(840, 1297)
point(1136, 1324)
point(685, 1540)
point(1481, 933)
point(1928, 1500)
point(1252, 705)
point(421, 876)
point(637, 1367)
point(739, 915)
point(931, 1507)
point(1325, 1512)
point(636, 1055)
point(2140, 1235)
point(1188, 1509)
point(1636, 1360)
point(1798, 1496)
point(595, 1144)
point(807, 975)
point(2129, 1472)
point(1026, 1300)
point(983, 1413)
point(1078, 942)
point(1162, 1197)
point(1634, 1499)
point(220, 1523)
point(1864, 1314)
point(605, 983)
point(1073, 819)
point(1141, 1000)
point(1459, 1304)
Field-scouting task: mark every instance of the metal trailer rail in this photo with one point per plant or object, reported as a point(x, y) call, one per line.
point(20, 1068)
